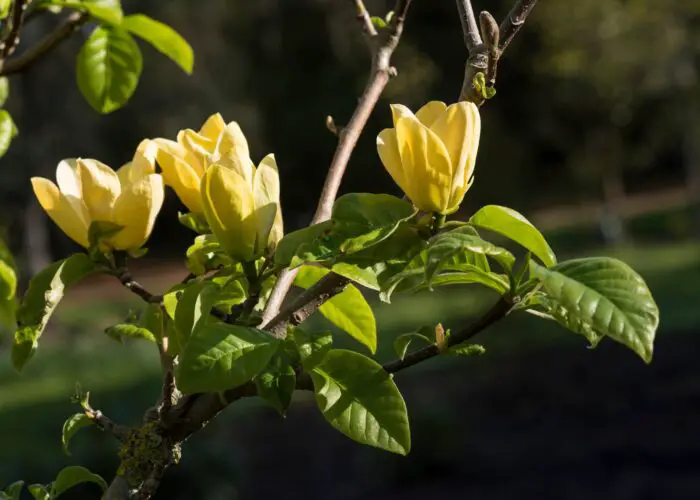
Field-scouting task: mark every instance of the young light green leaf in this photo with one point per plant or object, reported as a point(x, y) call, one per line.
point(100, 230)
point(446, 246)
point(348, 310)
point(467, 350)
point(45, 291)
point(108, 68)
point(220, 357)
point(73, 475)
point(364, 275)
point(163, 38)
point(195, 222)
point(193, 309)
point(72, 426)
point(360, 399)
point(606, 295)
point(276, 384)
point(8, 131)
point(13, 491)
point(312, 347)
point(309, 244)
point(4, 83)
point(362, 220)
point(108, 11)
point(514, 226)
point(402, 342)
point(39, 491)
point(122, 330)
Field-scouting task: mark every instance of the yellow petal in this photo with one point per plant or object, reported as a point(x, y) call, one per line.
point(266, 193)
point(229, 208)
point(197, 144)
point(182, 178)
point(68, 178)
point(426, 164)
point(213, 127)
point(101, 187)
point(277, 231)
point(143, 163)
point(61, 211)
point(400, 111)
point(388, 150)
point(429, 113)
point(459, 128)
point(136, 209)
point(231, 142)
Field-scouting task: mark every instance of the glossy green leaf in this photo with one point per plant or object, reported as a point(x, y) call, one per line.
point(445, 246)
point(363, 275)
point(196, 222)
point(305, 245)
point(205, 255)
point(4, 83)
point(71, 427)
point(514, 226)
point(108, 68)
point(605, 295)
point(276, 384)
point(8, 131)
point(163, 38)
point(108, 11)
point(312, 347)
point(360, 399)
point(193, 308)
point(73, 475)
point(220, 357)
point(363, 220)
point(45, 292)
point(348, 310)
point(13, 491)
point(402, 342)
point(39, 491)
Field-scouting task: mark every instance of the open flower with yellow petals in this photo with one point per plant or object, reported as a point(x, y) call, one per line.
point(89, 191)
point(431, 154)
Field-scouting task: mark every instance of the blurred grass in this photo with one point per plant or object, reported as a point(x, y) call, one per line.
point(34, 405)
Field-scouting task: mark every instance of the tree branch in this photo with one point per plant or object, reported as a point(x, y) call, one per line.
point(382, 45)
point(497, 312)
point(106, 424)
point(514, 21)
point(470, 30)
point(11, 40)
point(46, 45)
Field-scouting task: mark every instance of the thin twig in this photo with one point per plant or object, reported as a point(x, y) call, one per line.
point(10, 42)
point(46, 45)
point(498, 311)
point(514, 21)
point(306, 304)
point(365, 18)
point(128, 281)
point(106, 424)
point(470, 30)
point(380, 74)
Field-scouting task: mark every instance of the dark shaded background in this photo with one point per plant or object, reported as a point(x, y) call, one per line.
point(594, 134)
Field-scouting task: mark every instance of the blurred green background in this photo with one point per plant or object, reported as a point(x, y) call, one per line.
point(594, 135)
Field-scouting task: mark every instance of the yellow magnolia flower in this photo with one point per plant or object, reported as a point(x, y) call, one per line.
point(241, 204)
point(90, 191)
point(431, 154)
point(184, 161)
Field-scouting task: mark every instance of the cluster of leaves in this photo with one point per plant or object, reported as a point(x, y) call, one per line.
point(380, 242)
point(109, 64)
point(67, 478)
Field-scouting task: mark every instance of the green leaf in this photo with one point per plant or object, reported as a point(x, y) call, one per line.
point(8, 131)
point(100, 230)
point(220, 357)
point(118, 332)
point(364, 219)
point(467, 350)
point(276, 384)
point(74, 475)
point(195, 222)
point(402, 342)
point(163, 38)
point(360, 399)
point(8, 280)
point(607, 296)
point(108, 11)
point(306, 245)
point(4, 82)
point(39, 491)
point(312, 347)
point(364, 275)
point(445, 246)
point(205, 254)
point(514, 226)
point(72, 426)
point(5, 8)
point(348, 310)
point(378, 22)
point(13, 491)
point(45, 291)
point(108, 68)
point(193, 309)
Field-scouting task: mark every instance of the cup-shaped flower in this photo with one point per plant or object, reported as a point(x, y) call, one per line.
point(431, 154)
point(184, 161)
point(242, 206)
point(89, 191)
